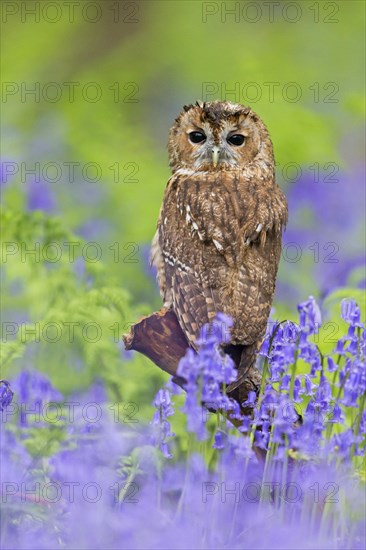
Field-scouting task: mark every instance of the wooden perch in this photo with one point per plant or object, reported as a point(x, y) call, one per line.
point(160, 338)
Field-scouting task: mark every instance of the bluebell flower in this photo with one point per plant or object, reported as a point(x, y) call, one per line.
point(310, 316)
point(220, 440)
point(350, 312)
point(251, 400)
point(337, 415)
point(309, 352)
point(266, 344)
point(276, 370)
point(6, 394)
point(309, 386)
point(354, 375)
point(246, 423)
point(298, 390)
point(160, 423)
point(261, 439)
point(267, 403)
point(291, 332)
point(315, 363)
point(284, 418)
point(340, 347)
point(206, 372)
point(332, 365)
point(352, 347)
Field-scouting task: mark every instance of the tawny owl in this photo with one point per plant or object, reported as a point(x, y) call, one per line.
point(218, 240)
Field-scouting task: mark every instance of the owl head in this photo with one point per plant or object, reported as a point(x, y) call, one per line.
point(217, 135)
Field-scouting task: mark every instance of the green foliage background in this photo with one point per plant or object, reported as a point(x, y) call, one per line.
point(161, 54)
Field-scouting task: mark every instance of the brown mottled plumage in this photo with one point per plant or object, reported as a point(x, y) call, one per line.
point(218, 241)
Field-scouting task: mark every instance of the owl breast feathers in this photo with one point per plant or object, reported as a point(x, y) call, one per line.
point(218, 240)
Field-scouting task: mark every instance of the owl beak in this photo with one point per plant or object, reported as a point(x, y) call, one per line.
point(215, 155)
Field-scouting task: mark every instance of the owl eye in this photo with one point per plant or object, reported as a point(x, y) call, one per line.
point(197, 137)
point(236, 139)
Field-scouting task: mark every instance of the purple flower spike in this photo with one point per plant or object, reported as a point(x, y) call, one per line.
point(206, 372)
point(161, 425)
point(6, 394)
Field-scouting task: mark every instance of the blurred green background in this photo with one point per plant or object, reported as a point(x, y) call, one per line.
point(108, 78)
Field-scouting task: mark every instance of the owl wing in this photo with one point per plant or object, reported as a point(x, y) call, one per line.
point(157, 260)
point(205, 224)
point(189, 305)
point(184, 244)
